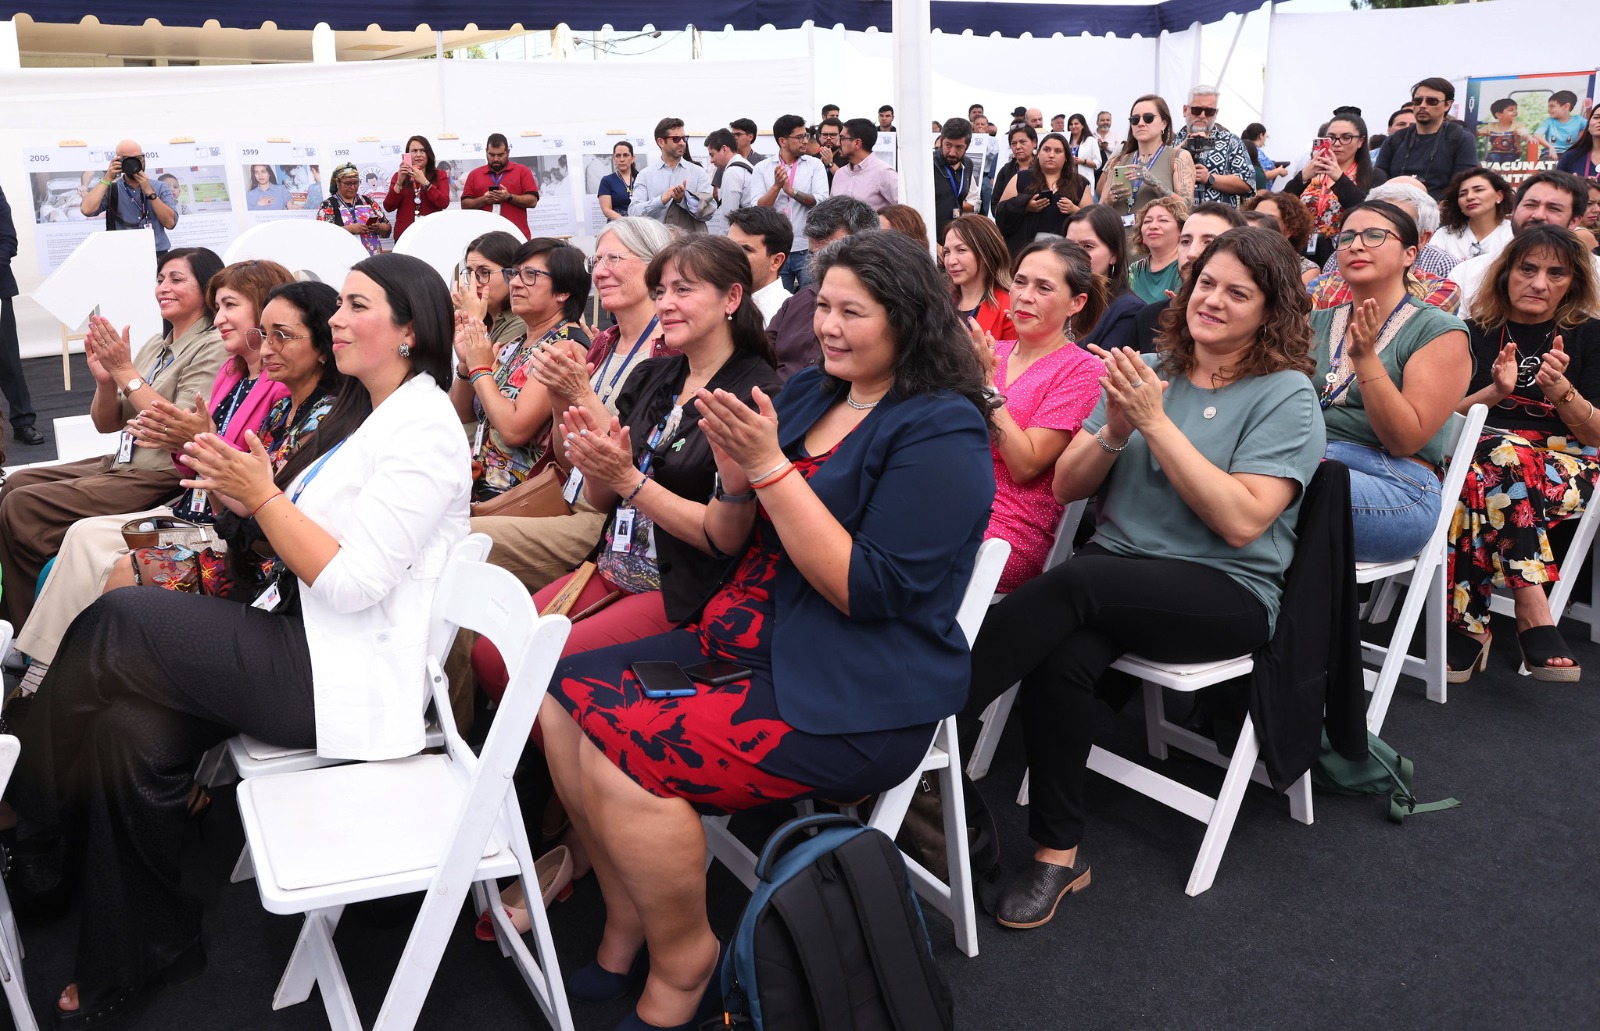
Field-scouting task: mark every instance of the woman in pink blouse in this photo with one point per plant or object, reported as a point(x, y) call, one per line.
point(419, 188)
point(1049, 385)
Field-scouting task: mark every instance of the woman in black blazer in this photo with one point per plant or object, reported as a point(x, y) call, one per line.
point(854, 508)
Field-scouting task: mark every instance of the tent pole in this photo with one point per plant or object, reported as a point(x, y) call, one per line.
point(1237, 32)
point(913, 102)
point(324, 45)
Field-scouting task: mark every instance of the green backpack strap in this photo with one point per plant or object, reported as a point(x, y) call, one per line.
point(1402, 802)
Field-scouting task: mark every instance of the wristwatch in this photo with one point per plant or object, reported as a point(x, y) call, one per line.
point(133, 384)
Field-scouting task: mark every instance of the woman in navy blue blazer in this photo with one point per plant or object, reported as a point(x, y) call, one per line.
point(850, 512)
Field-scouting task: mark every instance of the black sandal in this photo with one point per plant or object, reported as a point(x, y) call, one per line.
point(1464, 655)
point(1540, 644)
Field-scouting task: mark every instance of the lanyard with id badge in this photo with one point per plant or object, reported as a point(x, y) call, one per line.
point(622, 531)
point(574, 483)
point(272, 599)
point(164, 359)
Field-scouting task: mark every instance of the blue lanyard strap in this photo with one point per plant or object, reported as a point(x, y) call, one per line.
point(313, 473)
point(667, 425)
point(958, 186)
point(626, 361)
point(239, 393)
point(1331, 393)
point(164, 359)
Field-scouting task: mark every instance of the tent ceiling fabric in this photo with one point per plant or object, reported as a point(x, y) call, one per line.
point(983, 17)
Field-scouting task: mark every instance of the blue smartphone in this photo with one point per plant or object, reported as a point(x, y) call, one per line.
point(663, 680)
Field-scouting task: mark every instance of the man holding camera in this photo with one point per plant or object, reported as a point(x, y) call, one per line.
point(1223, 172)
point(130, 199)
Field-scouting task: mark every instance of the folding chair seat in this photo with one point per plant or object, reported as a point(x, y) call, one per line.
point(954, 897)
point(442, 824)
point(1427, 568)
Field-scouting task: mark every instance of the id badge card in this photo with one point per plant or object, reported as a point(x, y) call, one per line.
point(200, 501)
point(622, 532)
point(1127, 220)
point(477, 439)
point(269, 599)
point(955, 212)
point(125, 447)
point(569, 491)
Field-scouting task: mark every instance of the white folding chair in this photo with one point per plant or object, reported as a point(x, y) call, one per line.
point(1560, 593)
point(995, 716)
point(1588, 611)
point(243, 756)
point(1427, 592)
point(10, 940)
point(441, 824)
point(953, 898)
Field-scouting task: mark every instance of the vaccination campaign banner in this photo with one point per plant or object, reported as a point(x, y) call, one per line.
point(1523, 123)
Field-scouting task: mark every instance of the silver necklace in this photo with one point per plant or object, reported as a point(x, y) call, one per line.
point(858, 406)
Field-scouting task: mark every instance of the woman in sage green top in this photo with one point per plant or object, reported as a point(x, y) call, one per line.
point(1390, 370)
point(1198, 457)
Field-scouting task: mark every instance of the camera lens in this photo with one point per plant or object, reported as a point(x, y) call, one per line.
point(132, 165)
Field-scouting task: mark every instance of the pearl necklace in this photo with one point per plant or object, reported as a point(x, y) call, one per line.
point(858, 406)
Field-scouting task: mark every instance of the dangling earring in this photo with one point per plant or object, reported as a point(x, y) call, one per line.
point(730, 316)
point(405, 350)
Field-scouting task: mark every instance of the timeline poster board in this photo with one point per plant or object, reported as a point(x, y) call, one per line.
point(886, 150)
point(281, 180)
point(457, 157)
point(198, 175)
point(376, 160)
point(595, 157)
point(1515, 116)
point(557, 211)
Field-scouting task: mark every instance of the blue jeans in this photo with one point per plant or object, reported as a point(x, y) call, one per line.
point(796, 272)
point(1394, 502)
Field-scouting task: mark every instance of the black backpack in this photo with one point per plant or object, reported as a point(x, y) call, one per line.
point(833, 938)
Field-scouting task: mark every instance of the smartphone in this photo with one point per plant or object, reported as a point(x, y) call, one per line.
point(1321, 147)
point(663, 680)
point(716, 673)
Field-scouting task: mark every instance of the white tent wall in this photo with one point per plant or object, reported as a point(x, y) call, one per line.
point(1379, 55)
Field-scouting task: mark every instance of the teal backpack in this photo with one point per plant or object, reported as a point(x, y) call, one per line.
point(1383, 771)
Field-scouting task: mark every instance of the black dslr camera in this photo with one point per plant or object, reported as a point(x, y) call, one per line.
point(133, 165)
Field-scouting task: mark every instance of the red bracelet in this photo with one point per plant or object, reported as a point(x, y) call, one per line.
point(769, 482)
point(264, 504)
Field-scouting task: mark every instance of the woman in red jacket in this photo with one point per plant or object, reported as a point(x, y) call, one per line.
point(977, 263)
point(418, 188)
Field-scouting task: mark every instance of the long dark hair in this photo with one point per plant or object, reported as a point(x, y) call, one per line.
point(1450, 214)
point(1284, 339)
point(1363, 154)
point(933, 353)
point(430, 167)
point(1405, 227)
point(1069, 168)
point(718, 261)
point(1107, 226)
point(1081, 120)
point(1492, 305)
point(203, 264)
point(316, 303)
point(988, 246)
point(1077, 272)
point(1131, 145)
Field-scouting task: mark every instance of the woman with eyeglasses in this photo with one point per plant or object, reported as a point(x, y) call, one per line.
point(355, 212)
point(616, 189)
point(483, 290)
point(1390, 370)
point(1148, 166)
point(239, 399)
point(1475, 215)
point(548, 287)
point(1336, 180)
point(418, 188)
point(1537, 351)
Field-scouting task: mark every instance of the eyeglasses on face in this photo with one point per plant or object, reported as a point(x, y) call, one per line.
point(1203, 112)
point(798, 137)
point(484, 273)
point(1373, 237)
point(1146, 118)
point(254, 338)
point(1342, 137)
point(1428, 101)
point(610, 261)
point(529, 276)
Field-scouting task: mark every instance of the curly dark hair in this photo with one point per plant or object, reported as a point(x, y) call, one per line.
point(1492, 305)
point(718, 261)
point(1450, 214)
point(1294, 218)
point(933, 353)
point(1284, 339)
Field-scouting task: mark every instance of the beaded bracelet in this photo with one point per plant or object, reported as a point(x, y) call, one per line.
point(636, 490)
point(476, 373)
point(1100, 439)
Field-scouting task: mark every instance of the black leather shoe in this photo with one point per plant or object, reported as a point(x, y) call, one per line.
point(28, 435)
point(1032, 895)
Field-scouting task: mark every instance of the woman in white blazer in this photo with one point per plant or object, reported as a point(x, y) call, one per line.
point(331, 656)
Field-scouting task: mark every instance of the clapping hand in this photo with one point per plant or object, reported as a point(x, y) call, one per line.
point(602, 455)
point(748, 438)
point(563, 373)
point(1132, 388)
point(983, 344)
point(1365, 325)
point(245, 476)
point(166, 426)
point(1505, 370)
point(472, 342)
point(106, 348)
point(1552, 374)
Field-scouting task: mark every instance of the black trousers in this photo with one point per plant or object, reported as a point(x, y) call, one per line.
point(1058, 633)
point(145, 682)
point(12, 382)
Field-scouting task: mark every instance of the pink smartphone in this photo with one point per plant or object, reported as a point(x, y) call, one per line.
point(1321, 146)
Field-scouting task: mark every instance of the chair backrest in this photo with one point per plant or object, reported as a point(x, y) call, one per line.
point(1062, 549)
point(1468, 428)
point(986, 570)
point(10, 748)
point(441, 630)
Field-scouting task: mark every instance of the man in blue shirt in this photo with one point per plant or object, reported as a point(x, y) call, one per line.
point(131, 199)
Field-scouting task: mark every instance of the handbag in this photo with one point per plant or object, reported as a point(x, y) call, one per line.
point(165, 531)
point(538, 495)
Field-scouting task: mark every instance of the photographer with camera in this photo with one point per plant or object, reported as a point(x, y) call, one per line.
point(353, 211)
point(1223, 171)
point(130, 199)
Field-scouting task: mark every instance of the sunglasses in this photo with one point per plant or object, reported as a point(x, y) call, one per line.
point(1146, 118)
point(1428, 101)
point(675, 139)
point(1204, 112)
